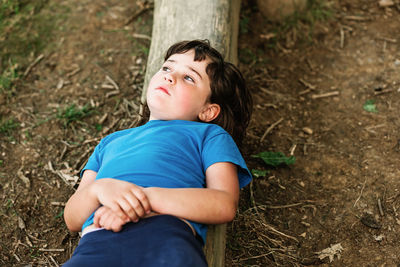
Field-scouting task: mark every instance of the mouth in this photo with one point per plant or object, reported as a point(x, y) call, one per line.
point(163, 89)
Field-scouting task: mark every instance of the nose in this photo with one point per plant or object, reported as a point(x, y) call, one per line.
point(169, 78)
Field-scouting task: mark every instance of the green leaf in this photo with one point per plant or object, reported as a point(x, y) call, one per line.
point(60, 214)
point(275, 158)
point(370, 106)
point(259, 173)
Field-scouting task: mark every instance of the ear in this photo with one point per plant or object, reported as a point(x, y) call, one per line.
point(209, 112)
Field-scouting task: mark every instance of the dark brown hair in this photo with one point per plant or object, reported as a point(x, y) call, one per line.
point(228, 87)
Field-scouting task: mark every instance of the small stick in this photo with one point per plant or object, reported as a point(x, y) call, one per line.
point(73, 72)
point(305, 91)
point(334, 93)
point(362, 189)
point(63, 152)
point(341, 37)
point(17, 258)
point(307, 84)
point(35, 238)
point(141, 36)
point(284, 206)
point(292, 149)
point(108, 78)
point(384, 92)
point(280, 233)
point(82, 156)
point(52, 249)
point(33, 64)
point(112, 93)
point(357, 18)
point(23, 178)
point(387, 39)
point(54, 261)
point(375, 126)
point(56, 203)
point(137, 14)
point(380, 207)
point(270, 129)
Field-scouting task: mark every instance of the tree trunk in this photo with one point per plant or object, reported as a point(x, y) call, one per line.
point(177, 20)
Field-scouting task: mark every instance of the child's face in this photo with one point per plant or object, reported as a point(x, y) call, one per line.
point(180, 89)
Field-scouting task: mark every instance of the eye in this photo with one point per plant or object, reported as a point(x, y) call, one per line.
point(188, 78)
point(165, 68)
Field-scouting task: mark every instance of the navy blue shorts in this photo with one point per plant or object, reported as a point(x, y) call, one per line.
point(161, 240)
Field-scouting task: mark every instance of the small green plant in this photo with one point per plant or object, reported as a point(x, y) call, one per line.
point(60, 214)
point(7, 126)
point(8, 7)
point(73, 113)
point(8, 77)
point(98, 127)
point(370, 106)
point(275, 159)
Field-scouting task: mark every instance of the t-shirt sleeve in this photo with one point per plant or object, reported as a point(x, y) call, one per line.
point(94, 161)
point(222, 148)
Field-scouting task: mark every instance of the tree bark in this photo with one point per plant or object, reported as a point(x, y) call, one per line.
point(177, 20)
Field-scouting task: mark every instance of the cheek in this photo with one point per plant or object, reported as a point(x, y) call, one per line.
point(188, 100)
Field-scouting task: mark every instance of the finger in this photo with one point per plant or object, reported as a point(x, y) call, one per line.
point(129, 210)
point(103, 218)
point(97, 215)
point(108, 220)
point(117, 209)
point(136, 205)
point(141, 196)
point(117, 225)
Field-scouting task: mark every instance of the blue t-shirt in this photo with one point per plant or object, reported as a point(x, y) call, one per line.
point(169, 154)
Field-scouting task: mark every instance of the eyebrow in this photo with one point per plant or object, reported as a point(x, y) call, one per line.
point(192, 69)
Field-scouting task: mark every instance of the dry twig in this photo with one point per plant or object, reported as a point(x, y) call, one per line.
point(33, 64)
point(334, 93)
point(362, 189)
point(138, 13)
point(270, 128)
point(380, 207)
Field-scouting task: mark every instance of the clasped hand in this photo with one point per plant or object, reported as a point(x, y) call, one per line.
point(122, 202)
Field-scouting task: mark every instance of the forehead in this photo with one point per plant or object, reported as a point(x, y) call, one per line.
point(187, 59)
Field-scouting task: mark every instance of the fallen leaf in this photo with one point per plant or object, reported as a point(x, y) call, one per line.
point(330, 252)
point(275, 158)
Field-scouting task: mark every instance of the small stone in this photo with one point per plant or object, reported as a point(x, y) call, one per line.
point(386, 3)
point(379, 237)
point(308, 130)
point(21, 223)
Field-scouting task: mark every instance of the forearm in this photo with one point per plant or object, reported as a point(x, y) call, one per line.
point(79, 207)
point(203, 205)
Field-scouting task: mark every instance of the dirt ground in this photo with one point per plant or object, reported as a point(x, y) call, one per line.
point(326, 91)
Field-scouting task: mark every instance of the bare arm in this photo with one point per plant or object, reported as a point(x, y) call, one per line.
point(212, 205)
point(125, 199)
point(82, 203)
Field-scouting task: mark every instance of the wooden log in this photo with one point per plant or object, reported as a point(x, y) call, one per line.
point(177, 20)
